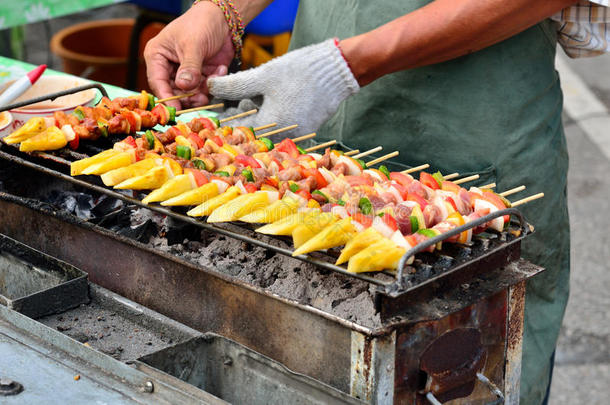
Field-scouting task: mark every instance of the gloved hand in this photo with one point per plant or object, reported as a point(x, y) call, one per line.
point(303, 87)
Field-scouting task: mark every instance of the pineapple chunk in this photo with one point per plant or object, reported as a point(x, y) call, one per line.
point(194, 197)
point(311, 227)
point(152, 179)
point(359, 242)
point(335, 234)
point(120, 159)
point(116, 176)
point(207, 207)
point(240, 206)
point(78, 166)
point(384, 254)
point(274, 212)
point(286, 225)
point(171, 188)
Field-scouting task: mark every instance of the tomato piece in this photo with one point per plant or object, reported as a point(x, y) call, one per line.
point(198, 175)
point(495, 200)
point(130, 141)
point(196, 140)
point(452, 202)
point(427, 180)
point(411, 240)
point(304, 193)
point(250, 187)
point(418, 199)
point(315, 173)
point(402, 190)
point(389, 220)
point(355, 181)
point(74, 142)
point(247, 161)
point(364, 220)
point(207, 123)
point(288, 146)
point(272, 181)
point(450, 186)
point(217, 140)
point(401, 178)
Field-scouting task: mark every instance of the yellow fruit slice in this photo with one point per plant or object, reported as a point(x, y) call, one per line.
point(120, 159)
point(274, 212)
point(361, 241)
point(194, 197)
point(154, 178)
point(209, 206)
point(32, 127)
point(171, 188)
point(240, 206)
point(286, 225)
point(51, 138)
point(116, 176)
point(78, 166)
point(335, 234)
point(384, 254)
point(310, 227)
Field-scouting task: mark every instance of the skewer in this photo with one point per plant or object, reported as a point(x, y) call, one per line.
point(451, 176)
point(512, 191)
point(352, 152)
point(368, 152)
point(416, 168)
point(264, 127)
point(163, 100)
point(322, 145)
point(277, 131)
point(490, 185)
point(244, 114)
point(527, 199)
point(304, 137)
point(203, 107)
point(467, 179)
point(382, 158)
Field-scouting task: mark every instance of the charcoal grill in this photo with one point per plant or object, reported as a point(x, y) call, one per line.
point(471, 296)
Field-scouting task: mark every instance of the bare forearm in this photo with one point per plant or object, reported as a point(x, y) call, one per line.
point(440, 31)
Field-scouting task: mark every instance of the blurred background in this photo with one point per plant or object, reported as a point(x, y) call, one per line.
point(103, 40)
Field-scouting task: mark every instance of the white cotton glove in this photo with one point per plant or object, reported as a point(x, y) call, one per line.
point(303, 87)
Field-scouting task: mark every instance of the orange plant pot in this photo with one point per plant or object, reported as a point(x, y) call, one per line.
point(99, 50)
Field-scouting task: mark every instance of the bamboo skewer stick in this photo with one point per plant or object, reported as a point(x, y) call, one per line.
point(163, 100)
point(527, 199)
point(322, 145)
point(277, 131)
point(304, 137)
point(467, 179)
point(512, 191)
point(203, 107)
point(352, 152)
point(273, 124)
point(382, 158)
point(244, 114)
point(368, 152)
point(451, 176)
point(416, 168)
point(490, 185)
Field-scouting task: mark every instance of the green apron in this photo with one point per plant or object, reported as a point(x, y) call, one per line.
point(496, 112)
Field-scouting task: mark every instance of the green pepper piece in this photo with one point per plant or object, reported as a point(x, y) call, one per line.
point(151, 102)
point(294, 187)
point(414, 223)
point(301, 150)
point(427, 232)
point(268, 143)
point(199, 164)
point(172, 115)
point(318, 192)
point(385, 171)
point(341, 203)
point(248, 175)
point(361, 163)
point(365, 206)
point(222, 173)
point(381, 214)
point(103, 127)
point(150, 138)
point(183, 152)
point(216, 121)
point(439, 178)
point(79, 114)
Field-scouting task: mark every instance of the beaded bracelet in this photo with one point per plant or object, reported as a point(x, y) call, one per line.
point(234, 22)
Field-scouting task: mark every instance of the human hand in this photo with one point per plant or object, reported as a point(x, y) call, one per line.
point(192, 48)
point(303, 87)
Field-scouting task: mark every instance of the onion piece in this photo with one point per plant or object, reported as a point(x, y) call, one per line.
point(222, 185)
point(68, 132)
point(382, 227)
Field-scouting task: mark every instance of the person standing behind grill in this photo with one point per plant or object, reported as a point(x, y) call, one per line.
point(469, 86)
